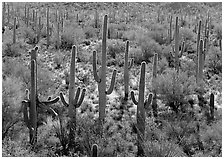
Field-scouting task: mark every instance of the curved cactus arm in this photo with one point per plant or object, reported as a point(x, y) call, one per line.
point(133, 98)
point(53, 111)
point(94, 150)
point(49, 102)
point(63, 100)
point(148, 102)
point(81, 98)
point(25, 105)
point(75, 101)
point(27, 94)
point(131, 63)
point(96, 77)
point(110, 90)
point(182, 49)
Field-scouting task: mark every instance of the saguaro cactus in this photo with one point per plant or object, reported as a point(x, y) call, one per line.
point(94, 150)
point(212, 106)
point(200, 63)
point(127, 67)
point(14, 31)
point(197, 52)
point(48, 28)
point(101, 78)
point(73, 102)
point(177, 45)
point(154, 75)
point(3, 15)
point(141, 106)
point(170, 32)
point(31, 103)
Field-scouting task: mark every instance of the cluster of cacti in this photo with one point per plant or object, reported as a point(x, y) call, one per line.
point(101, 77)
point(142, 105)
point(75, 100)
point(31, 103)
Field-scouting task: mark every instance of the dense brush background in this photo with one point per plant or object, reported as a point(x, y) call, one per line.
point(146, 26)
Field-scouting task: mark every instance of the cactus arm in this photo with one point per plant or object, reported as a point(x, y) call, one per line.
point(182, 49)
point(94, 150)
point(133, 98)
point(27, 94)
point(25, 105)
point(110, 90)
point(131, 63)
point(63, 100)
point(49, 102)
point(77, 96)
point(81, 98)
point(148, 102)
point(96, 77)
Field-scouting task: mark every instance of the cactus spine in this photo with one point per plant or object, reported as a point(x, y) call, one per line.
point(127, 67)
point(75, 100)
point(32, 102)
point(177, 45)
point(154, 75)
point(101, 78)
point(141, 106)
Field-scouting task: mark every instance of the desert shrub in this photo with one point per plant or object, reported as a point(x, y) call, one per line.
point(90, 32)
point(213, 60)
point(12, 96)
point(174, 88)
point(218, 30)
point(149, 47)
point(115, 47)
point(71, 36)
point(11, 50)
point(129, 35)
point(29, 35)
point(21, 72)
point(136, 54)
point(212, 139)
point(162, 65)
point(58, 59)
point(186, 34)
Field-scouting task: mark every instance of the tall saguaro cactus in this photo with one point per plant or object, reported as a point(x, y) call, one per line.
point(101, 78)
point(48, 28)
point(141, 106)
point(212, 106)
point(198, 43)
point(14, 31)
point(127, 67)
point(200, 62)
point(31, 103)
point(154, 75)
point(177, 45)
point(75, 100)
point(170, 32)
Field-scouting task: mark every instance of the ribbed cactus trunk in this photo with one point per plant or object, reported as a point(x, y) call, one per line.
point(48, 29)
point(75, 100)
point(102, 84)
point(126, 72)
point(197, 52)
point(71, 109)
point(200, 62)
point(33, 108)
point(154, 75)
point(212, 106)
point(142, 105)
point(177, 45)
point(3, 15)
point(101, 78)
point(170, 32)
point(14, 31)
point(141, 112)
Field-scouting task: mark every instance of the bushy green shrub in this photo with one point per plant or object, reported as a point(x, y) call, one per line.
point(90, 32)
point(213, 60)
point(115, 47)
point(71, 36)
point(149, 47)
point(12, 95)
point(218, 30)
point(174, 88)
point(136, 54)
point(11, 50)
point(186, 34)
